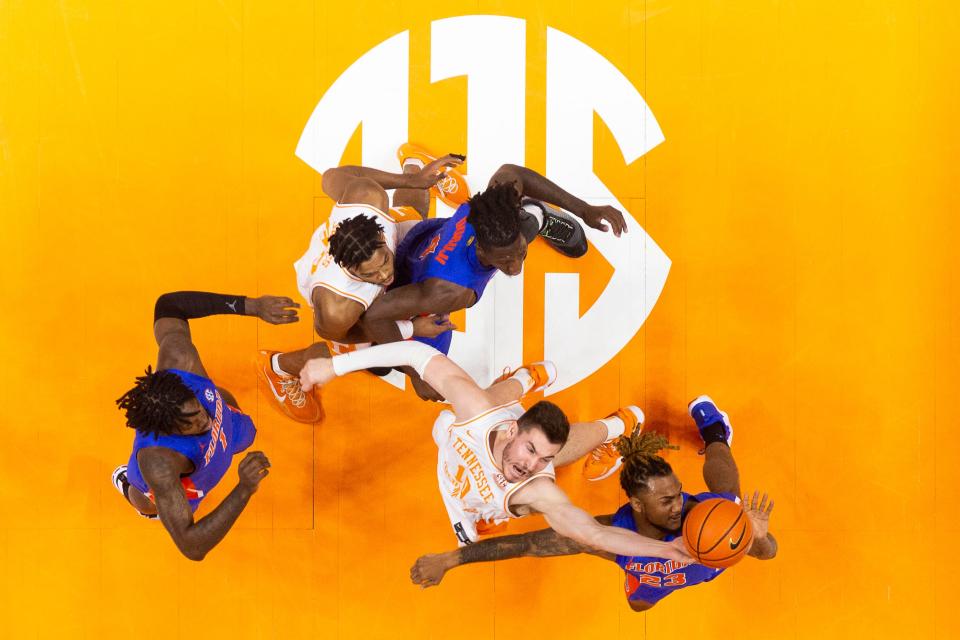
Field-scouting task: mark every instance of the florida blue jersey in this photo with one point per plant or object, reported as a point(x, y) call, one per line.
point(210, 452)
point(445, 249)
point(652, 579)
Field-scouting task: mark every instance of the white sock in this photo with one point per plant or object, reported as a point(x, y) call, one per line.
point(275, 365)
point(523, 376)
point(615, 427)
point(536, 212)
point(416, 162)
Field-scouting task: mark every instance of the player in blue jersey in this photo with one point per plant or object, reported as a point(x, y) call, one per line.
point(444, 265)
point(188, 429)
point(656, 508)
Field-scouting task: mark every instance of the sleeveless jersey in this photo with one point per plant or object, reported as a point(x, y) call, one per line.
point(443, 248)
point(474, 489)
point(211, 452)
point(316, 268)
point(652, 579)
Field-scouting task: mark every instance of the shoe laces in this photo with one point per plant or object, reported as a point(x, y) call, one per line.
point(607, 449)
point(291, 387)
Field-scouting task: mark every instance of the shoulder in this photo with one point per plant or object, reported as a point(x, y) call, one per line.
point(161, 465)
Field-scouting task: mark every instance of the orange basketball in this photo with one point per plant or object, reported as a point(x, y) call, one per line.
point(717, 533)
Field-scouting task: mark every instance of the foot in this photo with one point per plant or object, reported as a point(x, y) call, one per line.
point(286, 393)
point(543, 374)
point(604, 461)
point(453, 190)
point(559, 228)
point(713, 424)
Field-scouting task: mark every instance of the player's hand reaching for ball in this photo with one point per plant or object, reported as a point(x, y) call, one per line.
point(431, 326)
point(316, 373)
point(273, 309)
point(677, 550)
point(433, 173)
point(252, 469)
point(758, 510)
point(429, 570)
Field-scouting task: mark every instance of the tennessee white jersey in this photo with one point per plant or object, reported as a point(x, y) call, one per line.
point(316, 267)
point(474, 489)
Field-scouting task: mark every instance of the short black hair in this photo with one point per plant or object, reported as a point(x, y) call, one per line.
point(154, 405)
point(549, 418)
point(641, 462)
point(355, 240)
point(495, 215)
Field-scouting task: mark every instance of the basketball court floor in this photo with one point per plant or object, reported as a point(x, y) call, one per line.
point(791, 169)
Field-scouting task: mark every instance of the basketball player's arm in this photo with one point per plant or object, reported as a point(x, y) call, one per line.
point(432, 296)
point(764, 545)
point(543, 496)
point(162, 468)
point(532, 184)
point(429, 569)
point(336, 181)
point(336, 317)
point(173, 311)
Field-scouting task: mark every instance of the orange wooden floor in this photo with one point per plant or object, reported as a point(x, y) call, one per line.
point(805, 195)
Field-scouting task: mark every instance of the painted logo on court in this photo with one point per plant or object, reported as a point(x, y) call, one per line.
point(375, 92)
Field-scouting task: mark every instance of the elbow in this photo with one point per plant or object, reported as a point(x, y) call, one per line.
point(193, 554)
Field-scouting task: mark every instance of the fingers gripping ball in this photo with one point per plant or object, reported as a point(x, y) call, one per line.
point(717, 533)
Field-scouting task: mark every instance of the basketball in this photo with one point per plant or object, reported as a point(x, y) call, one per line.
point(717, 533)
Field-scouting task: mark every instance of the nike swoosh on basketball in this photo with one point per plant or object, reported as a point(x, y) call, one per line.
point(280, 399)
point(734, 545)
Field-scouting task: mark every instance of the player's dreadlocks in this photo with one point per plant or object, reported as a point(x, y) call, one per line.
point(640, 460)
point(153, 406)
point(495, 215)
point(355, 240)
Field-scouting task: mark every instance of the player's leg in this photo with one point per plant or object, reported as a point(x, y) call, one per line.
point(290, 363)
point(530, 378)
point(453, 190)
point(720, 471)
point(599, 438)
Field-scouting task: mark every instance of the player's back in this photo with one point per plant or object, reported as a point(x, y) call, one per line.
point(474, 489)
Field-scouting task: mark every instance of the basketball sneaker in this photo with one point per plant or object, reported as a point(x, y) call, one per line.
point(452, 189)
point(705, 414)
point(121, 484)
point(559, 228)
point(543, 373)
point(286, 393)
point(604, 460)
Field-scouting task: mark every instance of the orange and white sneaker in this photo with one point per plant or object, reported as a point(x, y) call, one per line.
point(452, 190)
point(543, 374)
point(286, 393)
point(604, 460)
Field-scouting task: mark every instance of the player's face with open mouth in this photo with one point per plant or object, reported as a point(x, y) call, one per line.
point(378, 269)
point(663, 503)
point(527, 454)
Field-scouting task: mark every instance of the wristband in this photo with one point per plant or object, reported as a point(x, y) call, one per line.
point(406, 329)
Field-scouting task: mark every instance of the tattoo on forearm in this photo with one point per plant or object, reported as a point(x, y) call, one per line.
point(544, 543)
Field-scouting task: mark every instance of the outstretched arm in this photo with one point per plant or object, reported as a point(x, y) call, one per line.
point(530, 183)
point(161, 468)
point(429, 569)
point(173, 311)
point(543, 496)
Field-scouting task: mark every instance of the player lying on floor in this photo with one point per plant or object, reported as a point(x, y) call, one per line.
point(496, 460)
point(656, 508)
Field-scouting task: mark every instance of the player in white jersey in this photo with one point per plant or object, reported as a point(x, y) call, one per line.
point(496, 461)
point(348, 264)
